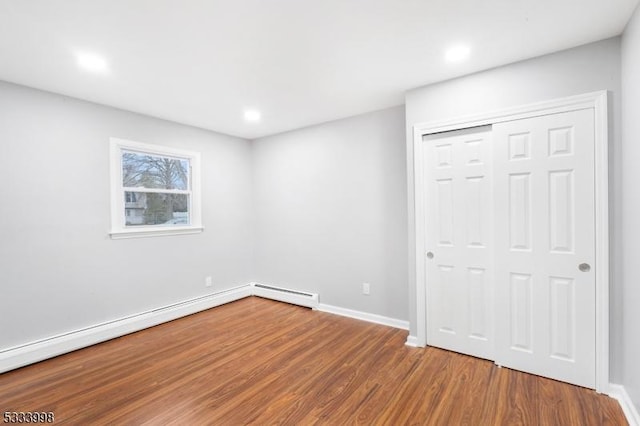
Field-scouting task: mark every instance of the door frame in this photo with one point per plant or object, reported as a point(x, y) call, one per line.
point(598, 101)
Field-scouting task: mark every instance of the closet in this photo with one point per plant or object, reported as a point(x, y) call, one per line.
point(508, 241)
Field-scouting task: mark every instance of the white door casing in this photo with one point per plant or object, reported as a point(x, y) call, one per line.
point(459, 242)
point(597, 103)
point(544, 229)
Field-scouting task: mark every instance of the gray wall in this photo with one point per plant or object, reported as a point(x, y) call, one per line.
point(331, 211)
point(631, 207)
point(580, 70)
point(59, 270)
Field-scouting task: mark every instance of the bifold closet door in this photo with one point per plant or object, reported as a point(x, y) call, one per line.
point(543, 171)
point(458, 224)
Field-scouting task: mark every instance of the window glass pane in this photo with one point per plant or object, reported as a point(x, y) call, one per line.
point(149, 208)
point(150, 171)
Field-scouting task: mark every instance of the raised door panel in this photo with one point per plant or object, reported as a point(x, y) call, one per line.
point(444, 201)
point(563, 318)
point(561, 211)
point(519, 204)
point(479, 302)
point(520, 322)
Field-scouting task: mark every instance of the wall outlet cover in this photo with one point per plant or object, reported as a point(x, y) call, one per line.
point(366, 288)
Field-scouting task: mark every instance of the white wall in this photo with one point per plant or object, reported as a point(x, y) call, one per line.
point(331, 211)
point(580, 70)
point(630, 376)
point(59, 270)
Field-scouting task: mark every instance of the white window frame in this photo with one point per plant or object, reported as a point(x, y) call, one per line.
point(118, 227)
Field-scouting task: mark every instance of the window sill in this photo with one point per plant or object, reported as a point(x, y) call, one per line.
point(154, 232)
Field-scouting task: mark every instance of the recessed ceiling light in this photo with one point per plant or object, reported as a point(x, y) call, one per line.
point(252, 115)
point(457, 53)
point(92, 62)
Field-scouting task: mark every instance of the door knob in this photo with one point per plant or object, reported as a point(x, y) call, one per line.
point(429, 255)
point(584, 267)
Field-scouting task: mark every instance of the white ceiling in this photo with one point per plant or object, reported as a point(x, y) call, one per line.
point(300, 62)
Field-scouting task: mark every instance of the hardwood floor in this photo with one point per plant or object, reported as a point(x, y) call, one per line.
point(256, 361)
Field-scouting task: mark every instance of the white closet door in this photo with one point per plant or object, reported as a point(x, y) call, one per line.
point(545, 246)
point(459, 242)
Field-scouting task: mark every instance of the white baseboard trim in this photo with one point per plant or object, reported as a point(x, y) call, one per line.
point(628, 407)
point(412, 341)
point(32, 352)
point(295, 297)
point(364, 316)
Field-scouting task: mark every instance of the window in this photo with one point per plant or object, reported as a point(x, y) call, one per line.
point(155, 190)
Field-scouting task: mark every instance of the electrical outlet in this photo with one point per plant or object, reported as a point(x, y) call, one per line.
point(366, 288)
point(208, 282)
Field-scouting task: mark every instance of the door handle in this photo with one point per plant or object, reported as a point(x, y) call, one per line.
point(429, 255)
point(584, 267)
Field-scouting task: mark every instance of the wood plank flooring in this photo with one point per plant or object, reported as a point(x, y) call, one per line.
point(262, 362)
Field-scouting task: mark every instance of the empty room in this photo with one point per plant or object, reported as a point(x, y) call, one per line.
point(335, 212)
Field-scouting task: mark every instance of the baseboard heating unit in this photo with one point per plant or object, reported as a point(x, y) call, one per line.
point(295, 297)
